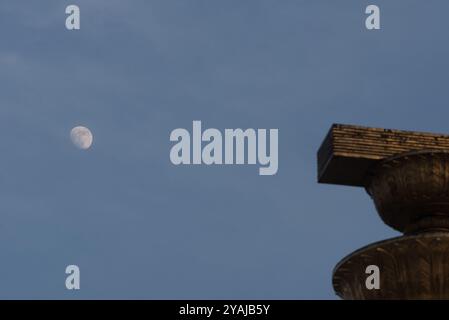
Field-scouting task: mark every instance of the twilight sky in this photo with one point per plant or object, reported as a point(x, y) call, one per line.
point(140, 227)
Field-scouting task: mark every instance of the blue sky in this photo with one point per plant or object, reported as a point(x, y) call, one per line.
point(140, 227)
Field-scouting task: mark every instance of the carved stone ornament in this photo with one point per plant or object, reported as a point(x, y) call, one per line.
point(407, 176)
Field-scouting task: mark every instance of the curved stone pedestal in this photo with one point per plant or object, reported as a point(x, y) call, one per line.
point(406, 173)
point(411, 194)
point(411, 267)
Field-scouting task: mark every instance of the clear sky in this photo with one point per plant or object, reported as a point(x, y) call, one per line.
point(140, 227)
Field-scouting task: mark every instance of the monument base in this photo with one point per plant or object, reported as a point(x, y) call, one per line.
point(411, 267)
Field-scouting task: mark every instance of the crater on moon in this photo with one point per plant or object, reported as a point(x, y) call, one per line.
point(81, 137)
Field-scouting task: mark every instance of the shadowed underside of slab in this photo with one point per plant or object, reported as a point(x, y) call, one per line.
point(349, 151)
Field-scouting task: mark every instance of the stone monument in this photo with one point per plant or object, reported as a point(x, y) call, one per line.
point(407, 176)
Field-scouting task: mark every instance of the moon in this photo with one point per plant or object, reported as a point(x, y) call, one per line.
point(81, 137)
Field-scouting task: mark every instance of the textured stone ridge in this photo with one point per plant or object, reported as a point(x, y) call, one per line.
point(349, 151)
point(411, 267)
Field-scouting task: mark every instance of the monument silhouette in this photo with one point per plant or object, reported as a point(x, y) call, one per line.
point(407, 176)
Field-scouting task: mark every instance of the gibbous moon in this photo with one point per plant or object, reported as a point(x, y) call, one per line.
point(81, 137)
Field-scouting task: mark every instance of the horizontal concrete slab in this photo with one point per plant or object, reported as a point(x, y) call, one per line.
point(349, 151)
